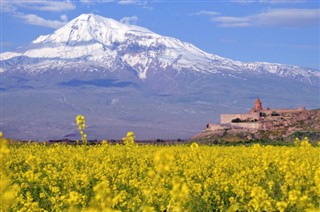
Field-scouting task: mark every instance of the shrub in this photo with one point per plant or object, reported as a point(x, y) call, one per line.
point(236, 120)
point(262, 114)
point(274, 113)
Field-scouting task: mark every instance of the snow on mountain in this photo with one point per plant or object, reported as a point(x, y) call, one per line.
point(112, 44)
point(88, 27)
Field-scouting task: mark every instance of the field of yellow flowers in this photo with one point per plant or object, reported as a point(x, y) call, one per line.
point(130, 177)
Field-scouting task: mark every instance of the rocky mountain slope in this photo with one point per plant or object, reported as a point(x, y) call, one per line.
point(284, 126)
point(124, 77)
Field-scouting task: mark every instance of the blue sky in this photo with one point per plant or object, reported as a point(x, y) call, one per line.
point(277, 31)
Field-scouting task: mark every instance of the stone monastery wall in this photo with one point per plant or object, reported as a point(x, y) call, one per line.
point(268, 112)
point(227, 118)
point(247, 125)
point(254, 115)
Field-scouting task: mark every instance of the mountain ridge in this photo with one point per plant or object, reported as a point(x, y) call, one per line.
point(102, 40)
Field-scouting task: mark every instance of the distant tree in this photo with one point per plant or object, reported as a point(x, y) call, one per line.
point(262, 114)
point(236, 120)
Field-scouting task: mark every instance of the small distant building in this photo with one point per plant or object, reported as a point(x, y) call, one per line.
point(257, 106)
point(256, 114)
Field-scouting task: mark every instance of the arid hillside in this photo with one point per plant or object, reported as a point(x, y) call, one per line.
point(278, 126)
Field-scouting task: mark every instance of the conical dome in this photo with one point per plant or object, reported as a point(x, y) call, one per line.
point(258, 104)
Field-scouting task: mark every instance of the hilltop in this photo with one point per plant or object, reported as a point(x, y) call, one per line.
point(264, 124)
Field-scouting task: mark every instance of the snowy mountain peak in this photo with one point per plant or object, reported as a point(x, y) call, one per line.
point(90, 27)
point(108, 44)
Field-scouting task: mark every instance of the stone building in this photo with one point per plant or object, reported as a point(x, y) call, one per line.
point(262, 123)
point(256, 114)
point(257, 106)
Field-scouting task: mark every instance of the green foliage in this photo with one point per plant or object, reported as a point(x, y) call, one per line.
point(262, 114)
point(236, 120)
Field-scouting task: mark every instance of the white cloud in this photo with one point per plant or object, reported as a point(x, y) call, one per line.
point(52, 6)
point(273, 17)
point(290, 17)
point(43, 5)
point(87, 1)
point(227, 21)
point(95, 1)
point(39, 21)
point(143, 4)
point(129, 20)
point(64, 18)
point(7, 7)
point(281, 1)
point(269, 1)
point(244, 1)
point(129, 2)
point(206, 12)
point(14, 7)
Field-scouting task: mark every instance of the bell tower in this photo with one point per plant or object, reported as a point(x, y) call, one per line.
point(257, 105)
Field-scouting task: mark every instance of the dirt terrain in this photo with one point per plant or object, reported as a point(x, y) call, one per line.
point(283, 126)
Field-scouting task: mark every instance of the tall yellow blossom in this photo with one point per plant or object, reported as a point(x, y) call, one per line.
point(129, 139)
point(81, 123)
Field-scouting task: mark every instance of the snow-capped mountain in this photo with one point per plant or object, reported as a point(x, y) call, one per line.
point(112, 44)
point(124, 77)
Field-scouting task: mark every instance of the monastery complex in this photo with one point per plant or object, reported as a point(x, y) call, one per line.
point(256, 114)
point(253, 119)
point(264, 123)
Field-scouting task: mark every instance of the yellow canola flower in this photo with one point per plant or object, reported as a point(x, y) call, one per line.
point(81, 123)
point(194, 146)
point(157, 178)
point(129, 139)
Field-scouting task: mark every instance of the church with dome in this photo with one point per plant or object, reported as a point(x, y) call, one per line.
point(255, 115)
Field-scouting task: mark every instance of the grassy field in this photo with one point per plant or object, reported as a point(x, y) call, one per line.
point(131, 177)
